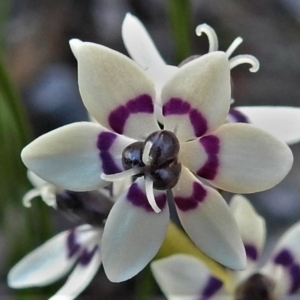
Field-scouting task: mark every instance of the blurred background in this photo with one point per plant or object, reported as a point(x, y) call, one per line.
point(40, 93)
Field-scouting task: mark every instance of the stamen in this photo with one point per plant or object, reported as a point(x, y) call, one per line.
point(146, 158)
point(29, 196)
point(48, 196)
point(150, 194)
point(245, 59)
point(211, 35)
point(233, 46)
point(121, 175)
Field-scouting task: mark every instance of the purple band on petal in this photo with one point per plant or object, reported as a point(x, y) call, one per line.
point(284, 258)
point(295, 276)
point(72, 245)
point(104, 143)
point(237, 116)
point(176, 106)
point(212, 286)
point(118, 117)
point(251, 252)
point(191, 202)
point(211, 145)
point(86, 256)
point(138, 198)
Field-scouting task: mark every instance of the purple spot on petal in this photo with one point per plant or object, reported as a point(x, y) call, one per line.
point(138, 198)
point(141, 104)
point(198, 121)
point(211, 145)
point(72, 245)
point(238, 116)
point(251, 252)
point(118, 117)
point(284, 258)
point(105, 141)
point(86, 256)
point(191, 202)
point(176, 106)
point(295, 276)
point(212, 286)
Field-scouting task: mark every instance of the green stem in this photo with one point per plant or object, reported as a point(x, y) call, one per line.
point(180, 17)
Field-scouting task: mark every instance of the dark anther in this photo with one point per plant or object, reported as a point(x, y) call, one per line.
point(163, 167)
point(84, 207)
point(256, 287)
point(132, 156)
point(167, 177)
point(165, 148)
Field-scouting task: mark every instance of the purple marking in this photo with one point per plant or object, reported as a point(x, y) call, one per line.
point(211, 145)
point(198, 121)
point(86, 256)
point(251, 252)
point(238, 116)
point(141, 104)
point(191, 202)
point(105, 141)
point(72, 245)
point(176, 106)
point(295, 276)
point(284, 258)
point(118, 117)
point(212, 286)
point(138, 198)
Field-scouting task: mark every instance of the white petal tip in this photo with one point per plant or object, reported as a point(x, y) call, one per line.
point(75, 44)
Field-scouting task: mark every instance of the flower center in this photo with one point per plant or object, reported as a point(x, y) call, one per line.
point(155, 158)
point(256, 287)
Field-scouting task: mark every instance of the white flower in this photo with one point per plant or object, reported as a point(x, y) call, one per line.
point(76, 251)
point(185, 277)
point(281, 121)
point(129, 143)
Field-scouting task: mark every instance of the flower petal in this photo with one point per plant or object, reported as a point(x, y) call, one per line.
point(281, 121)
point(185, 277)
point(284, 265)
point(238, 158)
point(49, 262)
point(73, 156)
point(115, 90)
point(197, 98)
point(133, 233)
point(80, 277)
point(206, 217)
point(139, 43)
point(251, 226)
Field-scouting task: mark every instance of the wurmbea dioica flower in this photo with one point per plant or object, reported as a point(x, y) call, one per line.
point(281, 121)
point(77, 249)
point(185, 277)
point(193, 143)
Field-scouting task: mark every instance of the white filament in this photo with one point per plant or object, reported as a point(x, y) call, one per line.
point(211, 35)
point(121, 175)
point(245, 59)
point(150, 194)
point(29, 196)
point(233, 46)
point(146, 158)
